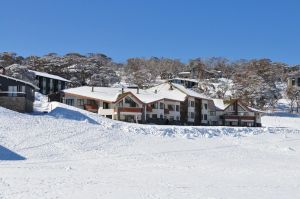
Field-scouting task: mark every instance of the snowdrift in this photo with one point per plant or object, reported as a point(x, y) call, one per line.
point(71, 153)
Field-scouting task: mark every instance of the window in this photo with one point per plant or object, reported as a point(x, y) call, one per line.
point(205, 117)
point(44, 85)
point(161, 105)
point(108, 116)
point(177, 108)
point(214, 123)
point(59, 85)
point(171, 118)
point(70, 102)
point(105, 105)
point(129, 118)
point(51, 85)
point(80, 102)
point(21, 89)
point(129, 101)
point(154, 105)
point(91, 102)
point(192, 103)
point(177, 118)
point(12, 91)
point(299, 81)
point(154, 116)
point(161, 117)
point(293, 82)
point(192, 114)
point(205, 106)
point(171, 107)
point(212, 113)
point(230, 108)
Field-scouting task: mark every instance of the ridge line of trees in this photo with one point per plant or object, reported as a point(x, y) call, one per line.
point(259, 82)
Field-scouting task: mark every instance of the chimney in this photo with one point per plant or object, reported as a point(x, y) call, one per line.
point(122, 90)
point(137, 91)
point(92, 88)
point(155, 91)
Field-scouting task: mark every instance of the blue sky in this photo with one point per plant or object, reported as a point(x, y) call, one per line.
point(182, 29)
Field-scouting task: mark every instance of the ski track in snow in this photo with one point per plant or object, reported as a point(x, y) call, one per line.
point(70, 157)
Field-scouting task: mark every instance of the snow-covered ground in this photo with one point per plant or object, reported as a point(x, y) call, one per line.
point(70, 153)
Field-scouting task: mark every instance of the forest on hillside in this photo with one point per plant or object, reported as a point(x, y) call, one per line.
point(259, 82)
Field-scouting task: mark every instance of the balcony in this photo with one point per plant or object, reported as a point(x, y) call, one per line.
point(237, 117)
point(130, 109)
point(12, 94)
point(91, 108)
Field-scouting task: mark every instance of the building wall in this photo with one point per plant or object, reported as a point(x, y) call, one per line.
point(172, 115)
point(295, 80)
point(48, 86)
point(80, 102)
point(201, 111)
point(157, 111)
point(20, 104)
point(23, 102)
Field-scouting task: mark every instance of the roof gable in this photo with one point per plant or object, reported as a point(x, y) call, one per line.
point(50, 76)
point(21, 81)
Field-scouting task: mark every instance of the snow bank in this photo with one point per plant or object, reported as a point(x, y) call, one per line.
point(71, 153)
point(73, 113)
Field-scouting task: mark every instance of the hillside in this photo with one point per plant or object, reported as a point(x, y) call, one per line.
point(70, 153)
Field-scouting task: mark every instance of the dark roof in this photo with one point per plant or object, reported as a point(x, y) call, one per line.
point(18, 80)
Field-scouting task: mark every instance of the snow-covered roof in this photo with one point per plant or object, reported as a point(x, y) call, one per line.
point(219, 104)
point(190, 92)
point(255, 110)
point(185, 79)
point(18, 80)
point(184, 73)
point(104, 93)
point(43, 74)
point(165, 91)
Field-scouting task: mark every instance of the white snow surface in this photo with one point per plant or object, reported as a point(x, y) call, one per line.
point(71, 153)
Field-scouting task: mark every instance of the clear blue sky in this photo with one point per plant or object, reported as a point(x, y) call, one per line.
point(180, 29)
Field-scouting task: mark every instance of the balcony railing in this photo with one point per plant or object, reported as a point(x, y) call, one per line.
point(91, 107)
point(238, 117)
point(12, 94)
point(130, 109)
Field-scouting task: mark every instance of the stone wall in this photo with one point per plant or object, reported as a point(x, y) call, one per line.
point(19, 104)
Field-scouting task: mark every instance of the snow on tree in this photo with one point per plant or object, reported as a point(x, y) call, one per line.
point(20, 72)
point(106, 77)
point(293, 94)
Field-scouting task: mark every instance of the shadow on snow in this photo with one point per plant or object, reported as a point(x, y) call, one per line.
point(6, 154)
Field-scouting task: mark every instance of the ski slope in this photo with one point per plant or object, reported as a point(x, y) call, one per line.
point(70, 153)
